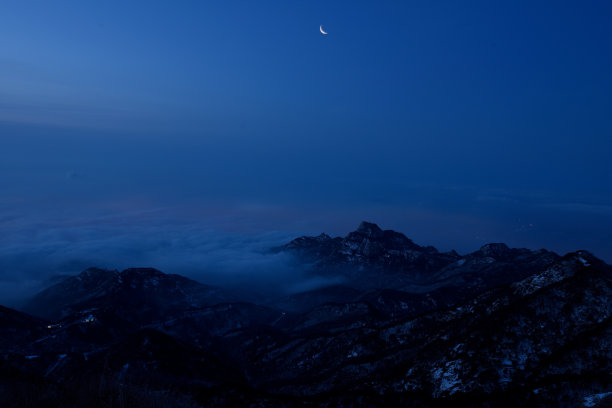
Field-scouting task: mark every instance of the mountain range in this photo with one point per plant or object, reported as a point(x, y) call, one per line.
point(398, 325)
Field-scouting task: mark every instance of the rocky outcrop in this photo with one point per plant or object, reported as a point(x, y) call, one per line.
point(497, 327)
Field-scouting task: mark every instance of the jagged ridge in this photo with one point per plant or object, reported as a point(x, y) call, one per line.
point(498, 327)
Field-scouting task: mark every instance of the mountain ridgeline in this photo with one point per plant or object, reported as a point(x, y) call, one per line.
point(399, 325)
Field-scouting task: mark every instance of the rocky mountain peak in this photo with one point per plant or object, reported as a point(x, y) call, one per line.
point(369, 229)
point(406, 326)
point(94, 272)
point(388, 239)
point(141, 273)
point(495, 250)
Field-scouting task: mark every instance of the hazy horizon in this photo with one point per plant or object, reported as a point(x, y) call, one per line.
point(146, 134)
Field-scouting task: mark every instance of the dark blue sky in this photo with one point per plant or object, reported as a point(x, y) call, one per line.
point(458, 123)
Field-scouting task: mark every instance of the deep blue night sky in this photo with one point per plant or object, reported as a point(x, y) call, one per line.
point(129, 129)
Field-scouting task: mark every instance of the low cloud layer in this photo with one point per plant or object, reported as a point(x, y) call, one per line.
point(37, 254)
point(229, 245)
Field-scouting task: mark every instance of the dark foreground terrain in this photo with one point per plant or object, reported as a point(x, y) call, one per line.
point(403, 325)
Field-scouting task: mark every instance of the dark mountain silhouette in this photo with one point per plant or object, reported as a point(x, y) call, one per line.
point(139, 293)
point(410, 326)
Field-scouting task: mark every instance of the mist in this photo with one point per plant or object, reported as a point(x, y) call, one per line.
point(211, 207)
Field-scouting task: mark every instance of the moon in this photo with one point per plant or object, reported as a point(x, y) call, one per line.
point(321, 29)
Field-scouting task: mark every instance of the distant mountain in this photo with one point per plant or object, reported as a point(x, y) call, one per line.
point(410, 326)
point(370, 259)
point(370, 256)
point(98, 308)
point(141, 294)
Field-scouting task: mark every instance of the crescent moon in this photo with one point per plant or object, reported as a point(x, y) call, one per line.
point(321, 29)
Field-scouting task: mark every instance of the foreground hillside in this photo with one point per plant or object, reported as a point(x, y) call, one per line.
point(407, 325)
